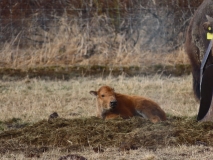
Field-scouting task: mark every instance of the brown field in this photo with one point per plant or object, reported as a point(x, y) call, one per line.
point(49, 61)
point(35, 82)
point(26, 105)
point(28, 98)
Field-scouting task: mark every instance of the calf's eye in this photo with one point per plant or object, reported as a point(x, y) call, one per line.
point(102, 95)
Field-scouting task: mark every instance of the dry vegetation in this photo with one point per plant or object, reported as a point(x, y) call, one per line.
point(126, 32)
point(26, 131)
point(63, 52)
point(29, 98)
point(68, 49)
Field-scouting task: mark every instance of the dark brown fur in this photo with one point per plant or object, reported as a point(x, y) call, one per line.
point(126, 106)
point(196, 41)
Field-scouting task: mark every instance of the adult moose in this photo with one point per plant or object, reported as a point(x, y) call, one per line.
point(197, 42)
point(196, 45)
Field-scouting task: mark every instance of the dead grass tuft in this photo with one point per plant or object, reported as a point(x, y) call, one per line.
point(49, 34)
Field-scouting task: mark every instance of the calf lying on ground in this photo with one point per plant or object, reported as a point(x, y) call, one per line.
point(111, 105)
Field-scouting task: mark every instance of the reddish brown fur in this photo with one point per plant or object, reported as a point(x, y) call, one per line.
point(196, 41)
point(127, 106)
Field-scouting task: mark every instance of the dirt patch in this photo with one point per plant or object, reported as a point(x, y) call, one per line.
point(73, 134)
point(59, 72)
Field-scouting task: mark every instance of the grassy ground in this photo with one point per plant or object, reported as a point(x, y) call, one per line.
point(26, 104)
point(29, 102)
point(34, 99)
point(171, 153)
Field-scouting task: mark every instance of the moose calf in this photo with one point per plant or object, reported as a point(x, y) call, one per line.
point(111, 104)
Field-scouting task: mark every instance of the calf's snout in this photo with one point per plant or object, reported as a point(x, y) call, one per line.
point(113, 104)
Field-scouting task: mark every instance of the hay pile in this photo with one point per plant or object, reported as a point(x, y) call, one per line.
point(83, 132)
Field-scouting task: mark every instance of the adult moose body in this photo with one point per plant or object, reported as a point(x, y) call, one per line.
point(197, 42)
point(196, 46)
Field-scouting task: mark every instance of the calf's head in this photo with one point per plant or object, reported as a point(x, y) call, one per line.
point(105, 97)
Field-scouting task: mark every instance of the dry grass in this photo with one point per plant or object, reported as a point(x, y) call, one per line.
point(94, 44)
point(173, 153)
point(65, 51)
point(35, 99)
point(78, 38)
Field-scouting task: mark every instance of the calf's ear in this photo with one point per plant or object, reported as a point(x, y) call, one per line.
point(94, 93)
